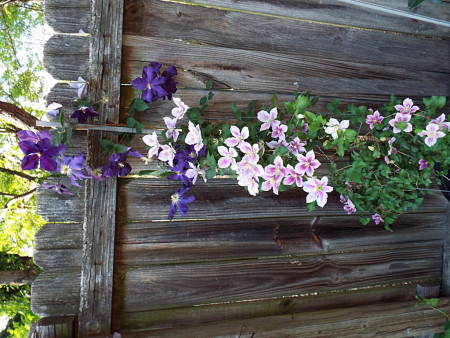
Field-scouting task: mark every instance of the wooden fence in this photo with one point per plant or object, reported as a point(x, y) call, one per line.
point(237, 265)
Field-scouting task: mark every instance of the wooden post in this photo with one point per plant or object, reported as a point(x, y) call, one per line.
point(100, 197)
point(446, 261)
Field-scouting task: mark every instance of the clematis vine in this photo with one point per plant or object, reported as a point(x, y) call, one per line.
point(180, 202)
point(194, 137)
point(58, 188)
point(228, 157)
point(171, 125)
point(181, 108)
point(154, 84)
point(333, 126)
point(268, 119)
point(117, 165)
point(374, 119)
point(238, 136)
point(73, 167)
point(401, 123)
point(83, 114)
point(308, 163)
point(153, 143)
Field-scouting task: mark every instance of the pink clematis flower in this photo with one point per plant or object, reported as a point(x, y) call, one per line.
point(171, 125)
point(278, 130)
point(194, 172)
point(239, 136)
point(251, 184)
point(401, 118)
point(317, 190)
point(250, 169)
point(250, 151)
point(407, 107)
point(271, 182)
point(308, 163)
point(228, 157)
point(423, 164)
point(377, 218)
point(349, 207)
point(194, 137)
point(167, 154)
point(296, 146)
point(267, 118)
point(276, 169)
point(374, 119)
point(275, 144)
point(180, 109)
point(293, 175)
point(432, 133)
point(153, 143)
point(440, 121)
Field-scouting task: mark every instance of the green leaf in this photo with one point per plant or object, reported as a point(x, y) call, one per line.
point(211, 172)
point(311, 206)
point(139, 126)
point(401, 125)
point(120, 148)
point(275, 102)
point(301, 103)
point(69, 135)
point(138, 105)
point(414, 3)
point(203, 100)
point(107, 144)
point(226, 131)
point(61, 119)
point(364, 220)
point(130, 122)
point(350, 134)
point(210, 160)
point(430, 301)
point(210, 95)
point(209, 84)
point(156, 173)
point(310, 117)
point(234, 108)
point(340, 150)
point(281, 151)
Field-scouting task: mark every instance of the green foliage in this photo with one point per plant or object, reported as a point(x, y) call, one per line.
point(416, 3)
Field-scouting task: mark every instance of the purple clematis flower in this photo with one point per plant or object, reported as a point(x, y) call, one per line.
point(73, 167)
point(189, 153)
point(178, 200)
point(82, 87)
point(154, 84)
point(179, 173)
point(117, 165)
point(38, 150)
point(59, 188)
point(84, 113)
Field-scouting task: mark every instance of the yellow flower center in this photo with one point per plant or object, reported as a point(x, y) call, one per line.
point(319, 188)
point(66, 170)
point(121, 164)
point(175, 198)
point(149, 86)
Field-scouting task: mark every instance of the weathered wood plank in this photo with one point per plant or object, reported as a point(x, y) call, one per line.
point(69, 235)
point(156, 243)
point(56, 292)
point(158, 319)
point(63, 94)
point(57, 258)
point(68, 17)
point(250, 31)
point(446, 249)
point(149, 200)
point(100, 197)
point(54, 327)
point(341, 13)
point(59, 208)
point(263, 71)
point(398, 319)
point(66, 56)
point(177, 285)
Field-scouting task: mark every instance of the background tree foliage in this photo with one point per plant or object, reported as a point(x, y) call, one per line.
point(21, 81)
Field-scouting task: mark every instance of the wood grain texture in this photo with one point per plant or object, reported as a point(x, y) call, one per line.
point(100, 197)
point(263, 71)
point(70, 236)
point(56, 292)
point(158, 319)
point(252, 32)
point(75, 13)
point(446, 252)
point(336, 12)
point(66, 57)
point(148, 200)
point(177, 285)
point(157, 243)
point(379, 320)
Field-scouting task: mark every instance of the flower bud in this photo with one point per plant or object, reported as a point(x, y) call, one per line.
point(383, 139)
point(371, 148)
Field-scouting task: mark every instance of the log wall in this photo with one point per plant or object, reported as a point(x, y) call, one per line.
point(240, 264)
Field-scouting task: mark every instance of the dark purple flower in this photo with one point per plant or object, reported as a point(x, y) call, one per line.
point(189, 153)
point(179, 201)
point(117, 165)
point(154, 84)
point(96, 174)
point(73, 167)
point(38, 150)
point(59, 188)
point(84, 113)
point(179, 173)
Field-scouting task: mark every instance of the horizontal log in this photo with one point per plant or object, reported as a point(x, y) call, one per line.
point(158, 319)
point(56, 292)
point(149, 200)
point(379, 320)
point(69, 235)
point(177, 285)
point(68, 17)
point(240, 30)
point(57, 258)
point(349, 15)
point(263, 71)
point(201, 241)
